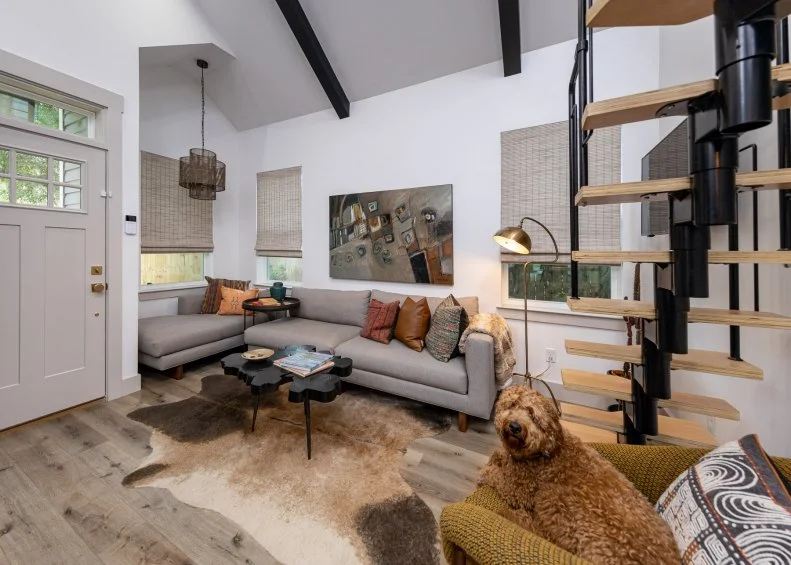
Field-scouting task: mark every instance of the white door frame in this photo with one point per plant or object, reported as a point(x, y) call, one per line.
point(108, 129)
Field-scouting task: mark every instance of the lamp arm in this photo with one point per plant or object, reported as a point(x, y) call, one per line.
point(549, 233)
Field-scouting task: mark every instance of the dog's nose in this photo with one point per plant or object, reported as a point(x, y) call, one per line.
point(514, 428)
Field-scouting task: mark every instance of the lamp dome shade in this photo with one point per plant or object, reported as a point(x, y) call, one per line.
point(514, 239)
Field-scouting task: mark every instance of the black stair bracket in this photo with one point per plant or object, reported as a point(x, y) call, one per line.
point(784, 142)
point(745, 48)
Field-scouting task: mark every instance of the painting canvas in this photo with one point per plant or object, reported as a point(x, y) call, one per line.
point(393, 235)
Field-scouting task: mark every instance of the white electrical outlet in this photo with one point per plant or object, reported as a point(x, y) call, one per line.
point(551, 356)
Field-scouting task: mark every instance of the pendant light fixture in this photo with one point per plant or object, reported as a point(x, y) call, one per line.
point(200, 172)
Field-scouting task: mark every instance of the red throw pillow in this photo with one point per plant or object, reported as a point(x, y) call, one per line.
point(380, 323)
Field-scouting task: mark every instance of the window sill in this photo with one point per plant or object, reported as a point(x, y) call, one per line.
point(171, 286)
point(560, 314)
point(267, 284)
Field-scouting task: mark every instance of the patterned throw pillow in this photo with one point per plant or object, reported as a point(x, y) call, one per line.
point(231, 304)
point(213, 297)
point(447, 324)
point(380, 323)
point(731, 508)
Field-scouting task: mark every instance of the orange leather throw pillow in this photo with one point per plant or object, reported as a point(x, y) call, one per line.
point(414, 319)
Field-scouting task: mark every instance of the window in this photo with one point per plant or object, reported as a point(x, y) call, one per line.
point(535, 181)
point(172, 268)
point(176, 231)
point(31, 179)
point(279, 234)
point(283, 269)
point(552, 281)
point(18, 104)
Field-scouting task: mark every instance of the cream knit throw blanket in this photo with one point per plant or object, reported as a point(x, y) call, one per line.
point(504, 358)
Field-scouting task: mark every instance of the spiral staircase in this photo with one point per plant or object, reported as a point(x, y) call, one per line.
point(742, 98)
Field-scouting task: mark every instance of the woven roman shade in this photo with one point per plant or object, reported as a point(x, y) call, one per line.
point(171, 221)
point(280, 213)
point(535, 183)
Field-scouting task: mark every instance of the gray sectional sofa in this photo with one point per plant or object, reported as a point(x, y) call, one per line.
point(332, 319)
point(167, 342)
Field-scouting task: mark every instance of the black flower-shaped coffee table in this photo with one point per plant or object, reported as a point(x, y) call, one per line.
point(263, 377)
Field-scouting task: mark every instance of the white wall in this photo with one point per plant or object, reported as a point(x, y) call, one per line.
point(687, 54)
point(446, 131)
point(106, 54)
point(170, 125)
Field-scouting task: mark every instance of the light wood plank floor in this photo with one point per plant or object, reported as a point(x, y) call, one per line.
point(62, 502)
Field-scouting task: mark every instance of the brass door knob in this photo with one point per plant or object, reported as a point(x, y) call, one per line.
point(98, 288)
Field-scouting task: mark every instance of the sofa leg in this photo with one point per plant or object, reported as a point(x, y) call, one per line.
point(177, 372)
point(462, 422)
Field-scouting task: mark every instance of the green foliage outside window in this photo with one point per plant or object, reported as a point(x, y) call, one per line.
point(552, 281)
point(284, 269)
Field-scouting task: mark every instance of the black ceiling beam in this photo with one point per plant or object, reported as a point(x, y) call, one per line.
point(511, 37)
point(306, 37)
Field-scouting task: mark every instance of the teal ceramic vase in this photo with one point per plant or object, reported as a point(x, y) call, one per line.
point(277, 291)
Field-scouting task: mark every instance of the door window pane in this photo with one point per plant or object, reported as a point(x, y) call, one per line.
point(28, 165)
point(31, 193)
point(5, 189)
point(4, 161)
point(66, 172)
point(67, 197)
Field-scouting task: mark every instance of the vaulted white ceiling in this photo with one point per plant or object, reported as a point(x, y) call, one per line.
point(374, 46)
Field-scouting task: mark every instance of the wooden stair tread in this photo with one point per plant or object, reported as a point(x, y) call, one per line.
point(646, 311)
point(745, 318)
point(645, 105)
point(590, 434)
point(628, 192)
point(642, 106)
point(698, 360)
point(613, 307)
point(715, 257)
point(628, 13)
point(619, 388)
point(676, 431)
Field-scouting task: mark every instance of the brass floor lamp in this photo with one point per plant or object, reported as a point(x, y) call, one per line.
point(516, 240)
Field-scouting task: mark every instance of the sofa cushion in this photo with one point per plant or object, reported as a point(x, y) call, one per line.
point(213, 296)
point(731, 507)
point(447, 324)
point(191, 301)
point(347, 307)
point(232, 300)
point(398, 361)
point(413, 323)
point(299, 331)
point(380, 322)
point(470, 303)
point(163, 335)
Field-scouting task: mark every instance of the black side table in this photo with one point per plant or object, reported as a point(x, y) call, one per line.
point(287, 305)
point(263, 377)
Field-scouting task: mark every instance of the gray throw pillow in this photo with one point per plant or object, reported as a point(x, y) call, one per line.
point(447, 324)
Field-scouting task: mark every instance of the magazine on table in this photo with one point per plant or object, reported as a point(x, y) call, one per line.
point(304, 362)
point(325, 367)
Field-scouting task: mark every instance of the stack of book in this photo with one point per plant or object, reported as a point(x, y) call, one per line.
point(306, 363)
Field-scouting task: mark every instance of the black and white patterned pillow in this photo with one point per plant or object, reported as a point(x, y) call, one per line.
point(731, 508)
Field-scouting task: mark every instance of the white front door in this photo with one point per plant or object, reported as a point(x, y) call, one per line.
point(52, 233)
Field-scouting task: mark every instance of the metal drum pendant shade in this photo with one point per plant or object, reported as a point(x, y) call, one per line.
point(200, 172)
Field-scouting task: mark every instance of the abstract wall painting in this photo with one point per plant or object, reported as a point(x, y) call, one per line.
point(393, 235)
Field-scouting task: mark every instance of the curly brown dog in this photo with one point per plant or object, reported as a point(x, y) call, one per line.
point(566, 493)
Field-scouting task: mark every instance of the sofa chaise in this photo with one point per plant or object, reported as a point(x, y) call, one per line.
point(167, 342)
point(332, 319)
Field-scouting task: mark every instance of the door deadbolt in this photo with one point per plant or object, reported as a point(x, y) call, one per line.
point(97, 270)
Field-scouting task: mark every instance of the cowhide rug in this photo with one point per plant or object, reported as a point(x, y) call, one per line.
point(347, 505)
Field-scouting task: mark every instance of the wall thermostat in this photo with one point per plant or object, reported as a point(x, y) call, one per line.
point(130, 226)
